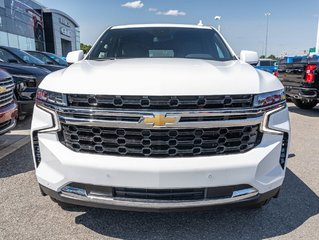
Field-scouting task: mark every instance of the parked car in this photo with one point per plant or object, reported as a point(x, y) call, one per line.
point(159, 118)
point(8, 107)
point(268, 65)
point(26, 79)
point(301, 80)
point(15, 55)
point(49, 58)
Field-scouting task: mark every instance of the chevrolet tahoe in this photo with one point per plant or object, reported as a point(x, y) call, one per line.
point(160, 117)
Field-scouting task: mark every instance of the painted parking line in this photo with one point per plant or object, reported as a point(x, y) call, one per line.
point(14, 147)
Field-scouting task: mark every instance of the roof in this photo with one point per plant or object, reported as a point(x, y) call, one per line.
point(160, 25)
point(50, 10)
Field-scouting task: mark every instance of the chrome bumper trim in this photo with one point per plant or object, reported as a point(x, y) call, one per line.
point(11, 126)
point(236, 197)
point(124, 124)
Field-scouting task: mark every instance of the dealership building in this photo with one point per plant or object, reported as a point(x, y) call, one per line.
point(28, 25)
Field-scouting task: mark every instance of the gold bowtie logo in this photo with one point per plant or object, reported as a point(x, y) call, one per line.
point(160, 120)
point(3, 89)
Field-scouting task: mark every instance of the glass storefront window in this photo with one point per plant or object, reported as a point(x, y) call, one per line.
point(4, 39)
point(13, 40)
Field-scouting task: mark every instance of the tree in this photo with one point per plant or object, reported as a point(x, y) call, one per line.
point(272, 57)
point(86, 48)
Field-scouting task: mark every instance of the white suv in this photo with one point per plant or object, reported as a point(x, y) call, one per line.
point(158, 118)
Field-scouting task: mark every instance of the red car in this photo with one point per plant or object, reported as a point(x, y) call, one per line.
point(8, 107)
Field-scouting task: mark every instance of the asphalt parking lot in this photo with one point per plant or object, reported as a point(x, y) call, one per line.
point(25, 214)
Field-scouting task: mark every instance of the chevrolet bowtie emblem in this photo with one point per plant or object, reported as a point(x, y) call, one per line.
point(160, 120)
point(3, 89)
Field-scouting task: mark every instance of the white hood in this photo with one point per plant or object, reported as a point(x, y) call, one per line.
point(161, 77)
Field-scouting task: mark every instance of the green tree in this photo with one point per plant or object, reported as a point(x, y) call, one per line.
point(272, 57)
point(86, 48)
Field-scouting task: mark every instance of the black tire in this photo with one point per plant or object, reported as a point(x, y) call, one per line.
point(305, 104)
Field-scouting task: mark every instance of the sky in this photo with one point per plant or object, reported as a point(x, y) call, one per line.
point(292, 24)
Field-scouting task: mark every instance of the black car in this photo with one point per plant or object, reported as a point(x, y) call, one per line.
point(300, 76)
point(26, 79)
point(49, 58)
point(15, 55)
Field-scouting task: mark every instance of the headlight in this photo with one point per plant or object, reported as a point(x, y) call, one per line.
point(25, 81)
point(270, 98)
point(52, 98)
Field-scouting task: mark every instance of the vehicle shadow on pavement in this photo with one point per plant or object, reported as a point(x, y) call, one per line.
point(13, 165)
point(296, 204)
point(305, 112)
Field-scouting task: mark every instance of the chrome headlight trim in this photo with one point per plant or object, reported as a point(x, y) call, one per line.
point(269, 99)
point(45, 97)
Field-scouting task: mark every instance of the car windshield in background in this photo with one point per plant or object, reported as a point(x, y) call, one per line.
point(161, 42)
point(267, 63)
point(314, 59)
point(26, 57)
point(57, 59)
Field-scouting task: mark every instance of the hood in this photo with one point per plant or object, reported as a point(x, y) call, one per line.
point(161, 77)
point(52, 68)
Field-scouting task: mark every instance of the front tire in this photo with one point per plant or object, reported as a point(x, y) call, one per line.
point(305, 104)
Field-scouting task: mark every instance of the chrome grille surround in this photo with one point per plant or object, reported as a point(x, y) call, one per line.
point(119, 131)
point(6, 97)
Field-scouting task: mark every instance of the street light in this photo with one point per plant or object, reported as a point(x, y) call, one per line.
point(217, 18)
point(267, 32)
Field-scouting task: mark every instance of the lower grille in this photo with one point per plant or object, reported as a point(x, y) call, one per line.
point(165, 194)
point(160, 142)
point(5, 125)
point(154, 195)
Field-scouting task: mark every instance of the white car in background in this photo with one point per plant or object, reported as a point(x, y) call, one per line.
point(160, 117)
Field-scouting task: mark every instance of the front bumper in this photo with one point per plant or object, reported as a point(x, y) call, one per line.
point(8, 116)
point(250, 197)
point(302, 92)
point(259, 168)
point(25, 107)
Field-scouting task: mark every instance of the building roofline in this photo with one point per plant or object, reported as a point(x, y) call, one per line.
point(50, 10)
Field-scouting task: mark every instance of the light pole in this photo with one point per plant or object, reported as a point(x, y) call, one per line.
point(217, 18)
point(267, 32)
point(317, 43)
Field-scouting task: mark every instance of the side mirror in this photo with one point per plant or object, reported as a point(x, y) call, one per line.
point(249, 57)
point(75, 56)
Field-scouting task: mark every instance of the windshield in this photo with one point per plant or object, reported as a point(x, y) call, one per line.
point(161, 43)
point(57, 59)
point(267, 63)
point(26, 57)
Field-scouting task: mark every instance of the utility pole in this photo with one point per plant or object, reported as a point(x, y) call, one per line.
point(267, 33)
point(217, 18)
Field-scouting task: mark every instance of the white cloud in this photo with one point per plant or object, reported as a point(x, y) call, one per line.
point(135, 4)
point(172, 13)
point(152, 9)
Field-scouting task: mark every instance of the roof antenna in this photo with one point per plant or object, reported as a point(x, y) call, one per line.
point(200, 23)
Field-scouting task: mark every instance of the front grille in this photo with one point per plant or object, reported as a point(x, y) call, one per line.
point(6, 93)
point(160, 142)
point(160, 102)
